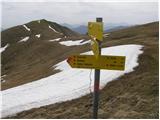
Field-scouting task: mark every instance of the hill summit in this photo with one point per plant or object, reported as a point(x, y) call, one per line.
point(42, 29)
point(37, 44)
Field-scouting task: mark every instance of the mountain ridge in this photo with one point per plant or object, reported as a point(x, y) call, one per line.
point(49, 30)
point(29, 46)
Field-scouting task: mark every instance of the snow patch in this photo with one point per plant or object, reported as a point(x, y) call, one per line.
point(106, 35)
point(73, 43)
point(57, 39)
point(53, 29)
point(3, 48)
point(3, 81)
point(26, 27)
point(38, 35)
point(66, 85)
point(24, 39)
point(2, 78)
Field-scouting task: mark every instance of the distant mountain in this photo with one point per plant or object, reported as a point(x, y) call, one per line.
point(70, 25)
point(115, 28)
point(82, 29)
point(79, 28)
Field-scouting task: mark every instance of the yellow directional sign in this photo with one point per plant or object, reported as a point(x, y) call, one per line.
point(95, 48)
point(103, 62)
point(95, 30)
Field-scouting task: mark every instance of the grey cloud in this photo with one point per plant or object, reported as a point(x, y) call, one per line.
point(77, 12)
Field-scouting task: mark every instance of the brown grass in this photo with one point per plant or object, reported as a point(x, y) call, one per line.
point(134, 95)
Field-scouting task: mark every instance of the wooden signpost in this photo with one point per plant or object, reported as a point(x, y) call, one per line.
point(96, 61)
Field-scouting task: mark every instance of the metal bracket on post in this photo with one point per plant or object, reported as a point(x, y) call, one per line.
point(96, 83)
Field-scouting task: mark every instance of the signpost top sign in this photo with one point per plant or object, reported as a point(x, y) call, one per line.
point(95, 30)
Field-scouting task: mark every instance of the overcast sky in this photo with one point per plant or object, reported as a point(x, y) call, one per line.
point(16, 13)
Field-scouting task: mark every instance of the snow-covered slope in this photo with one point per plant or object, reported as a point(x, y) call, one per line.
point(3, 48)
point(73, 43)
point(66, 85)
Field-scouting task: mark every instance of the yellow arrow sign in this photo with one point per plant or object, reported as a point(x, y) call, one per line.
point(95, 48)
point(103, 62)
point(95, 30)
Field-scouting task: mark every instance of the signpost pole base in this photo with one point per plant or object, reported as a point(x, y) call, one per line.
point(96, 83)
point(96, 94)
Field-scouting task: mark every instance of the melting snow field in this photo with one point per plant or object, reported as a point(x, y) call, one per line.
point(38, 35)
point(66, 85)
point(24, 39)
point(57, 39)
point(72, 43)
point(3, 48)
point(53, 29)
point(26, 28)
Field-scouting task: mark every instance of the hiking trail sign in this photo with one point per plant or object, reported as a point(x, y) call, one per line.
point(96, 61)
point(95, 30)
point(102, 62)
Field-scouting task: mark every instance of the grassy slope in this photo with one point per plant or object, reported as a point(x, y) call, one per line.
point(32, 60)
point(134, 95)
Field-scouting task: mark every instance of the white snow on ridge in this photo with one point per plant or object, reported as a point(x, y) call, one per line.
point(2, 78)
point(3, 48)
point(57, 39)
point(38, 35)
point(53, 29)
point(72, 43)
point(24, 39)
point(106, 35)
point(26, 27)
point(3, 75)
point(66, 85)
